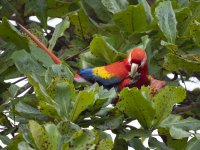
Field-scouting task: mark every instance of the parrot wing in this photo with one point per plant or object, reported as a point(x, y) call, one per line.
point(101, 75)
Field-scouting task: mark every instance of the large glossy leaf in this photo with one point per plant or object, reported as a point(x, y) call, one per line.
point(115, 6)
point(136, 144)
point(164, 101)
point(15, 142)
point(182, 63)
point(63, 94)
point(166, 20)
point(105, 144)
point(178, 133)
point(54, 136)
point(26, 64)
point(154, 143)
point(126, 19)
point(195, 7)
point(108, 122)
point(120, 144)
point(39, 7)
point(87, 60)
point(99, 10)
point(9, 34)
point(147, 9)
point(24, 146)
point(103, 50)
point(83, 26)
point(40, 136)
point(82, 101)
point(176, 144)
point(135, 105)
point(195, 31)
point(81, 139)
point(58, 32)
point(193, 144)
point(176, 121)
point(62, 7)
point(130, 134)
point(41, 56)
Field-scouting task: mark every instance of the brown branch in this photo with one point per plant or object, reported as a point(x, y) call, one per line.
point(182, 109)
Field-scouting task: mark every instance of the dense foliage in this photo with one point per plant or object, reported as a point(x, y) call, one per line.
point(55, 113)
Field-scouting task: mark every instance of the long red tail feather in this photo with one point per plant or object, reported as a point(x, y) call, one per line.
point(41, 45)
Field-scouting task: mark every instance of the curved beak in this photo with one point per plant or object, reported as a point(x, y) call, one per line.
point(134, 68)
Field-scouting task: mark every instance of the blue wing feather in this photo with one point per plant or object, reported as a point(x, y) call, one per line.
point(88, 75)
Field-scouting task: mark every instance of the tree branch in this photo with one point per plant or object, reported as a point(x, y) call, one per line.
point(182, 109)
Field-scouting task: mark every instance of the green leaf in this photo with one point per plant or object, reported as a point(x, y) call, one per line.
point(24, 146)
point(169, 46)
point(62, 8)
point(82, 101)
point(136, 144)
point(25, 108)
point(126, 19)
point(104, 141)
point(59, 71)
point(130, 134)
point(26, 64)
point(39, 7)
point(147, 9)
point(135, 105)
point(176, 121)
point(183, 3)
point(4, 139)
point(41, 11)
point(54, 136)
point(176, 144)
point(9, 33)
point(165, 100)
point(13, 89)
point(178, 133)
point(15, 141)
point(120, 144)
point(108, 122)
point(103, 50)
point(98, 9)
point(195, 31)
point(193, 144)
point(183, 17)
point(68, 128)
point(181, 63)
point(63, 94)
point(166, 20)
point(195, 8)
point(105, 144)
point(58, 32)
point(83, 26)
point(88, 60)
point(41, 56)
point(8, 8)
point(154, 143)
point(114, 6)
point(82, 139)
point(40, 136)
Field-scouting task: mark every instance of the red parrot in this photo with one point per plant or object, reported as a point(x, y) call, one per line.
point(121, 73)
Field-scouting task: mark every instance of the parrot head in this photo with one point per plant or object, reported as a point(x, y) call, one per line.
point(137, 59)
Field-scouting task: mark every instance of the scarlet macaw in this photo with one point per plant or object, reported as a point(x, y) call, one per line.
point(120, 72)
point(115, 73)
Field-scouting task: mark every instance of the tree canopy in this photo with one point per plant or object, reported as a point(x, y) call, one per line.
point(51, 112)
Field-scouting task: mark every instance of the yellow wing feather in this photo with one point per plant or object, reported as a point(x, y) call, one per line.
point(101, 72)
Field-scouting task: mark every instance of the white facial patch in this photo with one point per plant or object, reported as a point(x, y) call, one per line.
point(143, 61)
point(134, 68)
